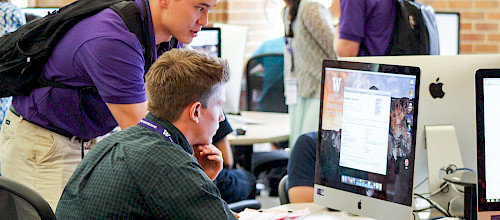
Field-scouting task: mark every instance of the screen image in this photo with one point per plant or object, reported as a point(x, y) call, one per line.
point(208, 41)
point(491, 139)
point(366, 129)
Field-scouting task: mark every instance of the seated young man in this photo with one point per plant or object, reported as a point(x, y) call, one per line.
point(301, 168)
point(163, 167)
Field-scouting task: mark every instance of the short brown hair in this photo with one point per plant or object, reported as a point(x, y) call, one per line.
point(180, 77)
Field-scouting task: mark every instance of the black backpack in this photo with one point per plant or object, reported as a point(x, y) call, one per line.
point(24, 52)
point(410, 35)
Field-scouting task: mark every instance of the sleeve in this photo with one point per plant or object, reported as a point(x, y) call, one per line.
point(319, 23)
point(224, 129)
point(302, 162)
point(352, 20)
point(185, 192)
point(118, 75)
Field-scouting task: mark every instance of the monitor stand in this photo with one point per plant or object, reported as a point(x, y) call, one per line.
point(442, 151)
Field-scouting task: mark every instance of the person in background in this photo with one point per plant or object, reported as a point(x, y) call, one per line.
point(301, 168)
point(163, 167)
point(365, 27)
point(11, 18)
point(309, 33)
point(42, 143)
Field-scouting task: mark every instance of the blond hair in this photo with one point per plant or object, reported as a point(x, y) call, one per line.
point(181, 77)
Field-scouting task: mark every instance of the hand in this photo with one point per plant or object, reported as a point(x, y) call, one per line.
point(210, 158)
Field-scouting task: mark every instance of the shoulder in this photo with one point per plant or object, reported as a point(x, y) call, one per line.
point(106, 24)
point(310, 9)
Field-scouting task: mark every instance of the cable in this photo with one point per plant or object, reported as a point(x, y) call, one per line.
point(423, 181)
point(434, 205)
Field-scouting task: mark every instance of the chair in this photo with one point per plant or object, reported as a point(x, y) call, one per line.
point(270, 167)
point(20, 202)
point(282, 192)
point(265, 87)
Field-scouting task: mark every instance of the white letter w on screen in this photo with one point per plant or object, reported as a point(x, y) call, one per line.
point(336, 83)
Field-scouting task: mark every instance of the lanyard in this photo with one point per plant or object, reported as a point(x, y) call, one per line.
point(156, 127)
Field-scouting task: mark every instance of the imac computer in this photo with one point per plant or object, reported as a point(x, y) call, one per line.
point(366, 150)
point(447, 100)
point(488, 143)
point(448, 24)
point(208, 41)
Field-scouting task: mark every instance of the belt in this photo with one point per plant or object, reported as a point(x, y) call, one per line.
point(63, 133)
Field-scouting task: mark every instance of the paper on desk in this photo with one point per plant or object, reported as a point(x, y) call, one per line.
point(270, 214)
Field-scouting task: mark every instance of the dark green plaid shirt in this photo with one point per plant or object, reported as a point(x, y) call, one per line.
point(138, 174)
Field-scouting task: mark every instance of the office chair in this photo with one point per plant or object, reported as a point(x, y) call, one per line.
point(20, 202)
point(270, 167)
point(265, 87)
point(282, 192)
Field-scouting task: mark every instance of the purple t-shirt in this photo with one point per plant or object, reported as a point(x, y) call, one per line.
point(99, 51)
point(369, 22)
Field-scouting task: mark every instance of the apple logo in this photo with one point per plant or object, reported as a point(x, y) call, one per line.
point(359, 204)
point(436, 89)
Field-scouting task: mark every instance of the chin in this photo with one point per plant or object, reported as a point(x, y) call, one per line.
point(186, 40)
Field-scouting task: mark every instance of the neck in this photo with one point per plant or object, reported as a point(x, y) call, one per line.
point(156, 15)
point(184, 129)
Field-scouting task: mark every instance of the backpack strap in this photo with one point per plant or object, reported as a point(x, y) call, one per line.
point(137, 24)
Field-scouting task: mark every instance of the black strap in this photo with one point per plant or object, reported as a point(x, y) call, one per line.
point(138, 25)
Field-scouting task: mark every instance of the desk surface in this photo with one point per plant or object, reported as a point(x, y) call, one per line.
point(320, 212)
point(261, 127)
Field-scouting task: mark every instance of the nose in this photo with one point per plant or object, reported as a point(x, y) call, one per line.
point(203, 21)
point(222, 117)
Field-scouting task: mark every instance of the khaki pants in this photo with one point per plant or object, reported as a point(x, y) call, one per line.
point(38, 158)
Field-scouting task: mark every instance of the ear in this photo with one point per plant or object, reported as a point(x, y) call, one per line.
point(164, 3)
point(195, 111)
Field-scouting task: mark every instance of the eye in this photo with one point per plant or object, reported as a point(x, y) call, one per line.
point(201, 8)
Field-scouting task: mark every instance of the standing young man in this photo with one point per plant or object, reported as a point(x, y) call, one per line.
point(42, 135)
point(365, 27)
point(163, 167)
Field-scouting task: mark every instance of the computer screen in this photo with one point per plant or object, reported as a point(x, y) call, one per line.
point(366, 151)
point(208, 41)
point(448, 24)
point(488, 140)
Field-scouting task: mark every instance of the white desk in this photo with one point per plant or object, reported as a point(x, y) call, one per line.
point(317, 212)
point(261, 127)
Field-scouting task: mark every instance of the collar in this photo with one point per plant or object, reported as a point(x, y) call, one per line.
point(176, 135)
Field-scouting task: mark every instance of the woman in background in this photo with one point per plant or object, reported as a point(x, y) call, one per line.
point(309, 34)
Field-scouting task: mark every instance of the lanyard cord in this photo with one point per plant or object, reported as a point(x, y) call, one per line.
point(157, 128)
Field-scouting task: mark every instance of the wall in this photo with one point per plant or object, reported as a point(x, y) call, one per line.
point(480, 19)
